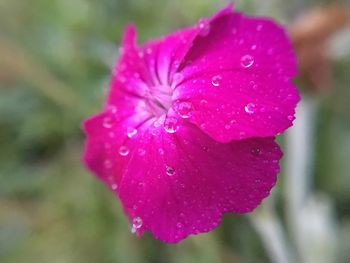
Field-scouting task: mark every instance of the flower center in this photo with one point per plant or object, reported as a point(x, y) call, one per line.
point(159, 99)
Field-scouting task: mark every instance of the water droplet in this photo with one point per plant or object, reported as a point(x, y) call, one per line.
point(169, 170)
point(184, 109)
point(216, 80)
point(107, 122)
point(136, 224)
point(177, 78)
point(247, 61)
point(111, 134)
point(170, 125)
point(131, 132)
point(290, 117)
point(161, 151)
point(141, 152)
point(259, 27)
point(250, 108)
point(108, 164)
point(204, 27)
point(227, 126)
point(123, 150)
point(253, 47)
point(112, 109)
point(114, 187)
point(256, 151)
point(203, 102)
point(179, 225)
point(158, 122)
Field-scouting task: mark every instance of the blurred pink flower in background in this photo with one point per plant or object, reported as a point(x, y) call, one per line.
point(188, 129)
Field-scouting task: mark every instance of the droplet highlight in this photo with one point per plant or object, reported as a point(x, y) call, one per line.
point(247, 61)
point(204, 27)
point(107, 164)
point(124, 150)
point(216, 80)
point(177, 78)
point(171, 125)
point(250, 108)
point(184, 109)
point(169, 170)
point(107, 122)
point(141, 152)
point(131, 132)
point(136, 224)
point(255, 151)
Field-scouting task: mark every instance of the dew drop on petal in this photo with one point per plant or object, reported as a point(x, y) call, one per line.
point(204, 27)
point(114, 186)
point(112, 109)
point(131, 132)
point(250, 108)
point(107, 164)
point(123, 150)
point(177, 78)
point(141, 152)
point(158, 122)
point(111, 134)
point(170, 125)
point(137, 222)
point(169, 170)
point(216, 80)
point(203, 102)
point(290, 117)
point(107, 122)
point(247, 61)
point(256, 151)
point(184, 109)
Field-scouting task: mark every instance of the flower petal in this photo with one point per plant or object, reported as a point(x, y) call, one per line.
point(130, 76)
point(241, 63)
point(164, 56)
point(181, 183)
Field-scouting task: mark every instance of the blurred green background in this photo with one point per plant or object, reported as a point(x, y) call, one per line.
point(55, 59)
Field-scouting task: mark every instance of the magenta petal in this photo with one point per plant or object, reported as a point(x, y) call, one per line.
point(238, 105)
point(238, 79)
point(177, 184)
point(130, 76)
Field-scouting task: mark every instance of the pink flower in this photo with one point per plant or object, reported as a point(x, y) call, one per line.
point(187, 133)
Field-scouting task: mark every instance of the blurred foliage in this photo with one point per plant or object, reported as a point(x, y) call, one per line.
point(55, 58)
